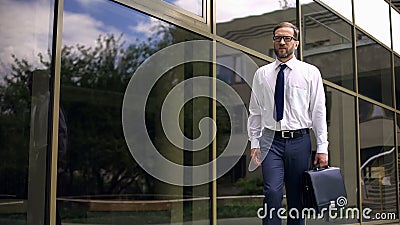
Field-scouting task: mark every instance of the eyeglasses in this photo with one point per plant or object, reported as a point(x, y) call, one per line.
point(285, 38)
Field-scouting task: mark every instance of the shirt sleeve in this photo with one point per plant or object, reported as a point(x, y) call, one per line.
point(318, 112)
point(254, 120)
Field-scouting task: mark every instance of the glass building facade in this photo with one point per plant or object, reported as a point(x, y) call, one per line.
point(77, 77)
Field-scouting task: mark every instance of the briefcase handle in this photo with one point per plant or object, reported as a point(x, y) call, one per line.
point(317, 167)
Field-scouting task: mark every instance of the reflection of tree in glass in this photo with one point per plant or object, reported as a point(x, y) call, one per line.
point(14, 129)
point(93, 81)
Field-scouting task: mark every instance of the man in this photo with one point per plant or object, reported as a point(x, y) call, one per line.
point(287, 101)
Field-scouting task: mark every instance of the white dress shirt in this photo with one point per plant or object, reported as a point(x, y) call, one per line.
point(304, 99)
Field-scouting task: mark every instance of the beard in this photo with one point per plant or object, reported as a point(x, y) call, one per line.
point(284, 55)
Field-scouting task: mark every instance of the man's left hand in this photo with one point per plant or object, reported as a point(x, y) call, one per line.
point(321, 159)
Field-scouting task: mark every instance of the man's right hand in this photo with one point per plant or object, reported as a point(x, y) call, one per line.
point(255, 155)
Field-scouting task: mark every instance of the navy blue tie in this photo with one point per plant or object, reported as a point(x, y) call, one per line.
point(279, 93)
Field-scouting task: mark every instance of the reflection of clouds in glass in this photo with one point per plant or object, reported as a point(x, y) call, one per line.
point(148, 28)
point(194, 6)
point(84, 23)
point(89, 4)
point(25, 30)
point(83, 29)
point(228, 10)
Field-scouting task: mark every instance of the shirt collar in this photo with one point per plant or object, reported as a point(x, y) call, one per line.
point(291, 63)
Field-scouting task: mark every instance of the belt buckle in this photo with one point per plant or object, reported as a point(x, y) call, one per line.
point(287, 132)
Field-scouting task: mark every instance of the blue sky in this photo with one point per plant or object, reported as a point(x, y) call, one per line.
point(85, 20)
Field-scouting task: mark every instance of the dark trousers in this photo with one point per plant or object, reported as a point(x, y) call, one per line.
point(284, 163)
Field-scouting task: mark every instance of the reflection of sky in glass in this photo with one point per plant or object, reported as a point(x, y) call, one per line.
point(194, 6)
point(25, 31)
point(85, 20)
point(228, 10)
point(26, 25)
point(396, 30)
point(379, 26)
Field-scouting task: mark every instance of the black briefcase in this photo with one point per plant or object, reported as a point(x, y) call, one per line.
point(323, 187)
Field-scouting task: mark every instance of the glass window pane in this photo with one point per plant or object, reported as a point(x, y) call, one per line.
point(374, 70)
point(342, 142)
point(397, 78)
point(378, 171)
point(99, 181)
point(24, 109)
point(341, 6)
point(396, 30)
point(327, 43)
point(342, 137)
point(398, 148)
point(239, 192)
point(251, 22)
point(193, 6)
point(373, 17)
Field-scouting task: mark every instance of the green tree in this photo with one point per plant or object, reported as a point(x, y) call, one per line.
point(93, 83)
point(93, 80)
point(14, 129)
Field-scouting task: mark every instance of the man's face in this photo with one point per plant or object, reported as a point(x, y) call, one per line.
point(285, 50)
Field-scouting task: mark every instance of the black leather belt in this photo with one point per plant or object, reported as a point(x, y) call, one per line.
point(292, 133)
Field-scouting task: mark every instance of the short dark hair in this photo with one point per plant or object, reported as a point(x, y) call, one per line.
point(287, 24)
